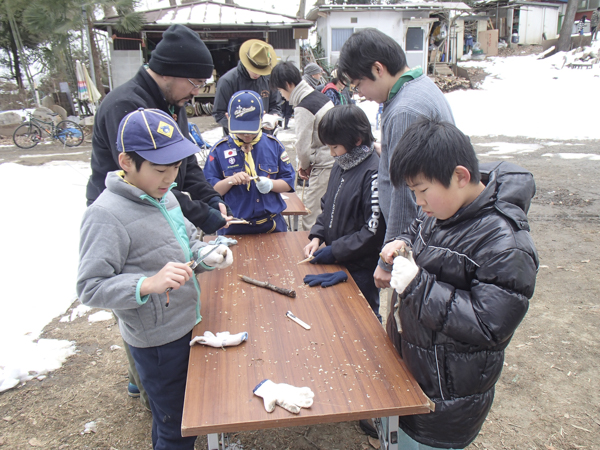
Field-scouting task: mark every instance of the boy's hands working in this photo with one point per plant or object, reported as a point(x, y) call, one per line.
point(393, 249)
point(264, 185)
point(219, 258)
point(239, 178)
point(173, 275)
point(381, 276)
point(405, 270)
point(323, 256)
point(312, 247)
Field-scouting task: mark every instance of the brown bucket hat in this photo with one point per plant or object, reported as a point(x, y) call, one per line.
point(257, 56)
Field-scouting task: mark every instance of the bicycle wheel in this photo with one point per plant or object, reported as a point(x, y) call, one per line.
point(27, 135)
point(69, 133)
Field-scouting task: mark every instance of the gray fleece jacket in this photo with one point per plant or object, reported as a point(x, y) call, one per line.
point(416, 98)
point(309, 107)
point(127, 236)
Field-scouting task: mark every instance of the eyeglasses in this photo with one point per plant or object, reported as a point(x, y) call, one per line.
point(357, 86)
point(197, 86)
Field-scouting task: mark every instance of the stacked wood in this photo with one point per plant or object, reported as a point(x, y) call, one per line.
point(451, 83)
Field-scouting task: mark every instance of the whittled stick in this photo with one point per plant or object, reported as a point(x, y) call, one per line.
point(267, 285)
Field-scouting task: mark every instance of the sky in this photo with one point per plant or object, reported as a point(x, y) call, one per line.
point(522, 96)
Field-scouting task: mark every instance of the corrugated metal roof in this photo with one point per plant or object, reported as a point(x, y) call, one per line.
point(404, 6)
point(208, 13)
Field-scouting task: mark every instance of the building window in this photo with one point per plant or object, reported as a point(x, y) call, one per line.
point(414, 39)
point(353, 19)
point(282, 38)
point(338, 37)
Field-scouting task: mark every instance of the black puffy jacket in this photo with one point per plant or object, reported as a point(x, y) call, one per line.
point(478, 271)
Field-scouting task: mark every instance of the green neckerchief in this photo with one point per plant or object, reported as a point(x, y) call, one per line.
point(410, 75)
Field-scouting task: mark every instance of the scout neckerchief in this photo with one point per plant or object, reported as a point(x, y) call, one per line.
point(410, 75)
point(249, 161)
point(172, 112)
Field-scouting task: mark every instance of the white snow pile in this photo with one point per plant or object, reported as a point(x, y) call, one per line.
point(527, 96)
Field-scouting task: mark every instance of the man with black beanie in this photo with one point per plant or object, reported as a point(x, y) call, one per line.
point(178, 68)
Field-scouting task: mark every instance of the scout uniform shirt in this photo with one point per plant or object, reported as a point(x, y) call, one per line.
point(271, 160)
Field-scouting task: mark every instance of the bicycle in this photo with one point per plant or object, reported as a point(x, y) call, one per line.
point(31, 133)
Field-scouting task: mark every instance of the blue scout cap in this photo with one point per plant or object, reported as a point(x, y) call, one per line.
point(155, 136)
point(245, 112)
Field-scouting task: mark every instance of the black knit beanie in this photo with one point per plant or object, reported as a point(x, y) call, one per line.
point(181, 53)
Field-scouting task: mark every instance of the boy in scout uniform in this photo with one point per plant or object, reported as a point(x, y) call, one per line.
point(250, 169)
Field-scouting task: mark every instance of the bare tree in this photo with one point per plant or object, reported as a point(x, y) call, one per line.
point(564, 40)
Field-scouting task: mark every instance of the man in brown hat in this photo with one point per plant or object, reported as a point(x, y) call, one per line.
point(257, 59)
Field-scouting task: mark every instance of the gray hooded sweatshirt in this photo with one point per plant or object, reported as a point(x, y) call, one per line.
point(127, 236)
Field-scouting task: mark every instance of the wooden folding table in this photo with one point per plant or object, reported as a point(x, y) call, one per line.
point(346, 357)
point(294, 208)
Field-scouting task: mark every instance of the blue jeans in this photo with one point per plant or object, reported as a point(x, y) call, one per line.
point(163, 371)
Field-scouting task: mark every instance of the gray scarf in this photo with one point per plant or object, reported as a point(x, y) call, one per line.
point(354, 157)
point(312, 82)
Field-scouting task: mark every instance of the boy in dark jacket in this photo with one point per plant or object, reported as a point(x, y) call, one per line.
point(350, 224)
point(464, 282)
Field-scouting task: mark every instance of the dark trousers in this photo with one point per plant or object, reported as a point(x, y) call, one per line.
point(275, 223)
point(163, 371)
point(366, 283)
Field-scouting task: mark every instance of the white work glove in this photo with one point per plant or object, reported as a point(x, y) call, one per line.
point(219, 259)
point(264, 185)
point(405, 270)
point(223, 339)
point(269, 121)
point(287, 396)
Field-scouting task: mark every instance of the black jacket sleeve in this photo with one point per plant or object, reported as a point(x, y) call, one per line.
point(225, 89)
point(275, 103)
point(360, 243)
point(489, 313)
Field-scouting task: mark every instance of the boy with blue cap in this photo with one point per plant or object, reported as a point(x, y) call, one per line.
point(250, 169)
point(135, 250)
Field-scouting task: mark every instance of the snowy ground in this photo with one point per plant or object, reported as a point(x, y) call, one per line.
point(44, 204)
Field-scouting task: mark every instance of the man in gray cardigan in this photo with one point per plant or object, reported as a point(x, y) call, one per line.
point(314, 157)
point(376, 65)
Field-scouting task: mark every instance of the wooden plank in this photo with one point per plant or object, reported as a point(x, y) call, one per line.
point(346, 357)
point(294, 206)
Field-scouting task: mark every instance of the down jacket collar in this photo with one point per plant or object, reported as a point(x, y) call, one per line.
point(509, 189)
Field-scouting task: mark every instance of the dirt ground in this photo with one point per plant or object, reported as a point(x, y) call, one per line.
point(547, 397)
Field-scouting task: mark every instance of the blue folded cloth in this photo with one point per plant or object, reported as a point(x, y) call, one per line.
point(323, 256)
point(223, 240)
point(326, 279)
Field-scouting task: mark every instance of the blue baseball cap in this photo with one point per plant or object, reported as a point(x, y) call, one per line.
point(155, 136)
point(245, 112)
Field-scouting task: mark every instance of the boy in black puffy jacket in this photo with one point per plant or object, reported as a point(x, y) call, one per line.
point(464, 277)
point(350, 225)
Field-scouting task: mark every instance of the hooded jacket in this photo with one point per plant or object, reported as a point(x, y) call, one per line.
point(143, 92)
point(309, 107)
point(477, 274)
point(127, 236)
point(336, 97)
point(351, 221)
point(238, 79)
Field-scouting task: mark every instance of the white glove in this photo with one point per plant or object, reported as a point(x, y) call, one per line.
point(264, 185)
point(223, 339)
point(405, 270)
point(269, 121)
point(219, 259)
point(287, 396)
